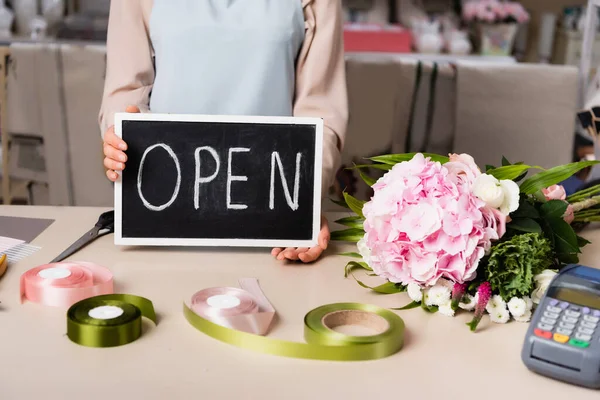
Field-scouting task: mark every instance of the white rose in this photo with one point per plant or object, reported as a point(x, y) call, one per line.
point(510, 203)
point(488, 189)
point(503, 195)
point(542, 281)
point(364, 250)
point(414, 292)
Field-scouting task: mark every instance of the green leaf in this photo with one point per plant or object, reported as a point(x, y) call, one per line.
point(409, 306)
point(354, 204)
point(353, 265)
point(351, 222)
point(353, 255)
point(510, 172)
point(394, 159)
point(340, 203)
point(348, 235)
point(582, 242)
point(554, 209)
point(383, 167)
point(564, 236)
point(366, 178)
point(505, 162)
point(525, 210)
point(525, 225)
point(553, 176)
point(568, 258)
point(489, 167)
point(386, 288)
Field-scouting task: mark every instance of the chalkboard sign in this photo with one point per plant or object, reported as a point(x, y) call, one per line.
point(194, 180)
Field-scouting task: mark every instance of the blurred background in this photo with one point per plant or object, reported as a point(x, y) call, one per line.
point(489, 78)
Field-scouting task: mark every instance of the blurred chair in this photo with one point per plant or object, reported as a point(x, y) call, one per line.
point(525, 112)
point(39, 150)
point(379, 95)
point(83, 70)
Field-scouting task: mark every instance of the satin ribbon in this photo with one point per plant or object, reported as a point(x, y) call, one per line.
point(322, 342)
point(85, 329)
point(253, 314)
point(63, 284)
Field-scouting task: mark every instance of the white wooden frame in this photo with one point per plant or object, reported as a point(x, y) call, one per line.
point(318, 163)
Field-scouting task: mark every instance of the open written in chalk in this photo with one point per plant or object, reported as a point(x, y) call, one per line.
point(194, 180)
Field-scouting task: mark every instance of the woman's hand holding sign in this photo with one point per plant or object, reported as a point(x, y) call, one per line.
point(114, 150)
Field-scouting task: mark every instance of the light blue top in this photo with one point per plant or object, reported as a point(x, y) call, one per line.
point(242, 54)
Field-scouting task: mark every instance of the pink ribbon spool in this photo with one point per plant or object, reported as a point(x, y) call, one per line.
point(64, 284)
point(246, 309)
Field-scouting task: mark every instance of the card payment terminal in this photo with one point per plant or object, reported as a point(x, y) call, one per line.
point(563, 339)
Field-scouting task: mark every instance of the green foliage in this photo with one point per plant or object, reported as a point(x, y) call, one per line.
point(352, 255)
point(553, 176)
point(393, 159)
point(355, 204)
point(366, 178)
point(409, 306)
point(512, 264)
point(511, 171)
point(351, 222)
point(348, 235)
point(352, 265)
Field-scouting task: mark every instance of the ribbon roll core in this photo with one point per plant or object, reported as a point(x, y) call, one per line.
point(109, 320)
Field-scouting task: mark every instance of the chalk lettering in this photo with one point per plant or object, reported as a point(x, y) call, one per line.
point(293, 204)
point(234, 178)
point(204, 179)
point(141, 170)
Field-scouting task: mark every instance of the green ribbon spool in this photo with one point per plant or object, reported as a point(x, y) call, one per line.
point(322, 343)
point(88, 331)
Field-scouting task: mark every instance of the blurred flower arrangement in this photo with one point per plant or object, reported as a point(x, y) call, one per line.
point(496, 23)
point(495, 12)
point(455, 238)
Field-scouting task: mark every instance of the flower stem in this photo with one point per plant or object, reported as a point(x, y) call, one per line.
point(581, 195)
point(585, 204)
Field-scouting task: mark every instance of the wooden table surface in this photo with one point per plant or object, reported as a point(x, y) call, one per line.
point(441, 358)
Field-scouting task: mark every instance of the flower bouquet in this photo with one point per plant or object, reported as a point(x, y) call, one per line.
point(497, 23)
point(455, 238)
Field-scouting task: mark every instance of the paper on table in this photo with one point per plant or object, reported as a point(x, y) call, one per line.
point(16, 249)
point(26, 229)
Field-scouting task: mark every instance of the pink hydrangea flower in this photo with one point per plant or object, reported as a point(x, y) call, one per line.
point(424, 223)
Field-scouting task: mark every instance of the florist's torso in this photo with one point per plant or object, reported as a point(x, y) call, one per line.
point(225, 57)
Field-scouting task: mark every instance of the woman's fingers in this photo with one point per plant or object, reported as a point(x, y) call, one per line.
point(311, 255)
point(114, 154)
point(112, 175)
point(112, 139)
point(286, 253)
point(324, 234)
point(275, 252)
point(114, 165)
point(132, 109)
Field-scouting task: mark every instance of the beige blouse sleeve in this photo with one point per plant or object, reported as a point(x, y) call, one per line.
point(129, 66)
point(321, 80)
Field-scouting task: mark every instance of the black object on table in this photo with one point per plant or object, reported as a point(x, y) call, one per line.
point(104, 226)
